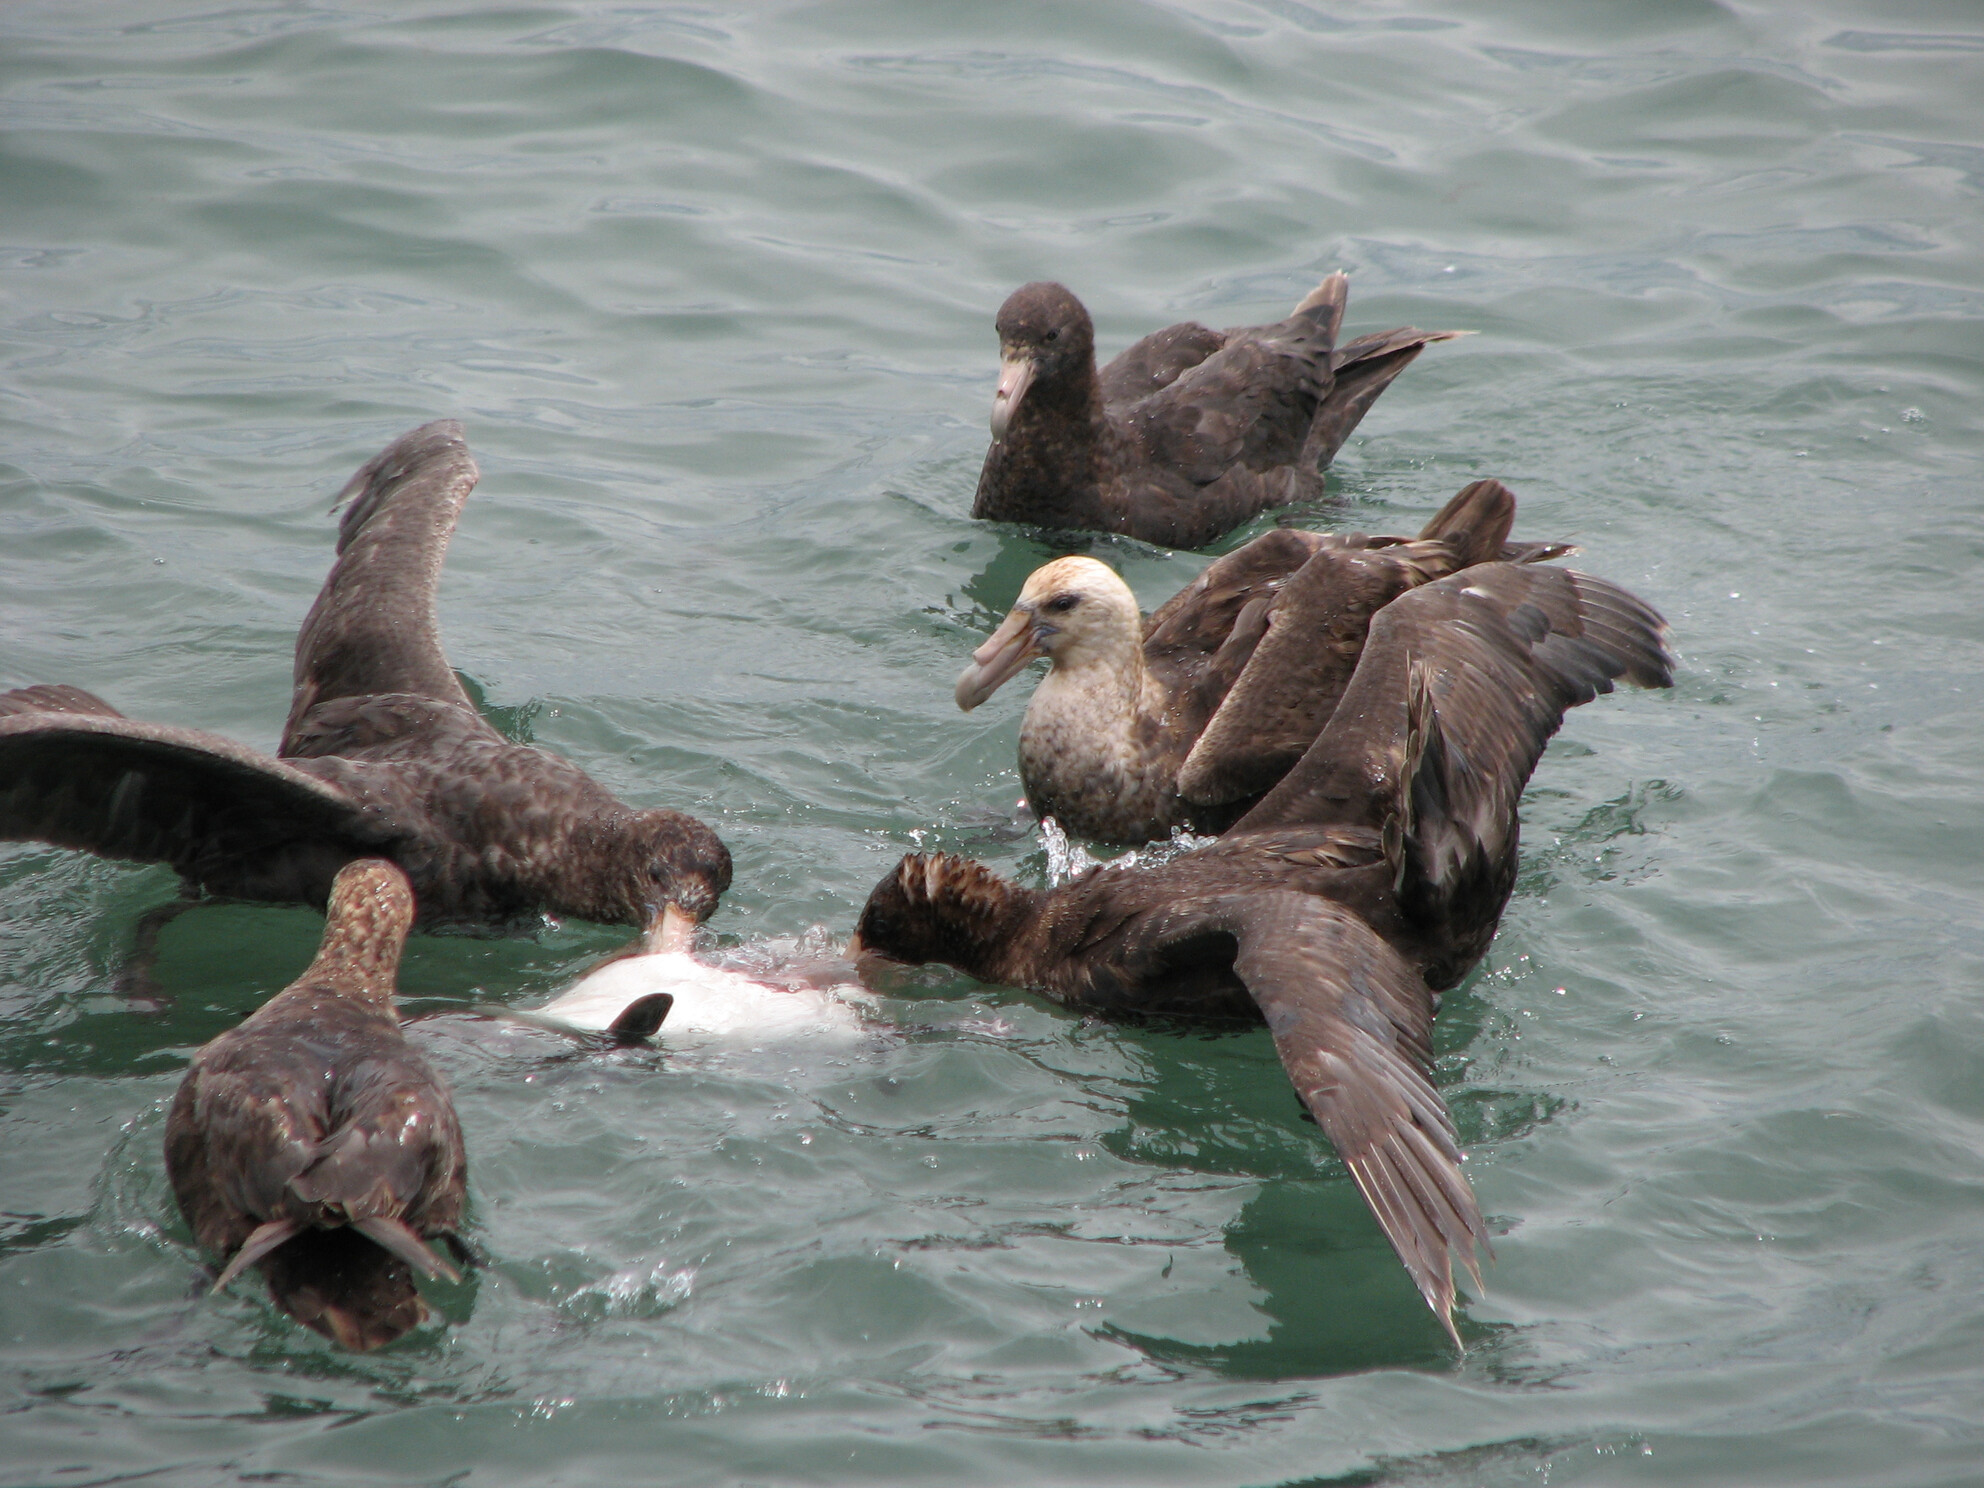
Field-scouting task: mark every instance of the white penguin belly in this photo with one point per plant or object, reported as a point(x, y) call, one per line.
point(710, 1002)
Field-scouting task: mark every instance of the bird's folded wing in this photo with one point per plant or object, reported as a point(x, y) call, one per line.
point(153, 793)
point(373, 628)
point(1196, 621)
point(244, 1125)
point(397, 1149)
point(1298, 670)
point(1248, 404)
point(1352, 1023)
point(1157, 361)
point(1199, 641)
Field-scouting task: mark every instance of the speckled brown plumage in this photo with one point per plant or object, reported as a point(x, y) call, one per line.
point(383, 754)
point(1184, 720)
point(315, 1142)
point(1189, 432)
point(1367, 881)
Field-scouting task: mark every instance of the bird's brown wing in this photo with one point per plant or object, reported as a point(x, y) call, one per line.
point(1352, 1023)
point(1249, 404)
point(238, 1131)
point(1157, 361)
point(227, 817)
point(1196, 643)
point(54, 697)
point(373, 628)
point(1461, 684)
point(1315, 634)
point(1298, 670)
point(396, 1151)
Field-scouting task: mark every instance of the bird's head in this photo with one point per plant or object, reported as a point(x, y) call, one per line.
point(1075, 611)
point(1044, 335)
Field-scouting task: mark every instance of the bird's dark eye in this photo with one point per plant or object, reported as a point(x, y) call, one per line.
point(1051, 335)
point(1060, 604)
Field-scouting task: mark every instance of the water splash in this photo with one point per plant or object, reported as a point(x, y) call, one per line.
point(1068, 861)
point(636, 1292)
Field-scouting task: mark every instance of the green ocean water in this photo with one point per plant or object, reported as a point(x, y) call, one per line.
point(711, 289)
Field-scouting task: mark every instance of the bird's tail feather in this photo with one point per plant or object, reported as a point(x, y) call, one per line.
point(342, 1285)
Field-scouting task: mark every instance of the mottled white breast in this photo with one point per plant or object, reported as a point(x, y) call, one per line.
point(710, 1002)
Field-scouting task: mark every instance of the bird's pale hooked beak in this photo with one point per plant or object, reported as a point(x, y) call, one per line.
point(669, 931)
point(1015, 377)
point(1013, 645)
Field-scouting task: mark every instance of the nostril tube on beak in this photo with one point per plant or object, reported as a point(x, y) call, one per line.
point(1015, 377)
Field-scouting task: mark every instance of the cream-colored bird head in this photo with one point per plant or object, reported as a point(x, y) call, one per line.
point(1074, 611)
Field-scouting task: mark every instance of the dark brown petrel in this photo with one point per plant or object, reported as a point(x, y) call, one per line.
point(1187, 718)
point(383, 756)
point(315, 1142)
point(1188, 433)
point(1369, 880)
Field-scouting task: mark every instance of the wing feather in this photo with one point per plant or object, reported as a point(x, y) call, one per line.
point(1461, 684)
point(1295, 675)
point(1249, 403)
point(373, 628)
point(1157, 361)
point(227, 817)
point(1363, 369)
point(1352, 1023)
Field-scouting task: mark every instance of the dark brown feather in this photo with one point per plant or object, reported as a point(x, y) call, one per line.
point(373, 629)
point(225, 817)
point(1296, 675)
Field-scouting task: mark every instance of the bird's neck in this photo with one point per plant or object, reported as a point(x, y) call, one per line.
point(357, 961)
point(1075, 397)
point(1100, 693)
point(593, 882)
